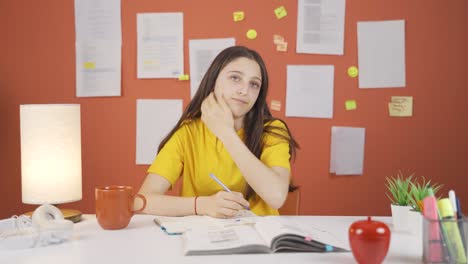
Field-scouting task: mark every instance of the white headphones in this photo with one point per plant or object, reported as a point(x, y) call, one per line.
point(49, 221)
point(45, 227)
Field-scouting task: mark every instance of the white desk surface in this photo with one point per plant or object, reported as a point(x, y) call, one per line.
point(143, 242)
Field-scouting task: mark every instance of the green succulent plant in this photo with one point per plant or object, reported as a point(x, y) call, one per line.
point(399, 189)
point(420, 190)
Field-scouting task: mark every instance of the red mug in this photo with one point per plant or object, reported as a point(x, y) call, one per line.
point(114, 206)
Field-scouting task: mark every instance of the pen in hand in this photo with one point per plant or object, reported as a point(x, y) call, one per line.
point(224, 186)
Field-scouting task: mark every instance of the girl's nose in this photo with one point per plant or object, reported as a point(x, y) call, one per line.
point(243, 90)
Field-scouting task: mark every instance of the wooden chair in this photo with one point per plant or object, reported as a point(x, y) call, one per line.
point(291, 206)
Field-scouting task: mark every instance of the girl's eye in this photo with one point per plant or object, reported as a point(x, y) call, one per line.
point(255, 85)
point(235, 78)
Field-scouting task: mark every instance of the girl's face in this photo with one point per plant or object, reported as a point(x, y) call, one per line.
point(239, 82)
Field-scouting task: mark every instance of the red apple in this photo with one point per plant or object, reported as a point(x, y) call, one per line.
point(369, 241)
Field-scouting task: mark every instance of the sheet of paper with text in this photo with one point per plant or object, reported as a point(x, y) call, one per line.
point(160, 45)
point(202, 53)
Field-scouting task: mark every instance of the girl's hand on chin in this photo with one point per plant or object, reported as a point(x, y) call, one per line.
point(217, 115)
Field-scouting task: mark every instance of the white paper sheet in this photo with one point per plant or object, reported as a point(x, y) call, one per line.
point(98, 20)
point(309, 91)
point(320, 26)
point(98, 48)
point(155, 119)
point(98, 69)
point(160, 50)
point(202, 53)
point(347, 150)
point(381, 54)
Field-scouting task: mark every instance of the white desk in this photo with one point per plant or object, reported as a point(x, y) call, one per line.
point(143, 242)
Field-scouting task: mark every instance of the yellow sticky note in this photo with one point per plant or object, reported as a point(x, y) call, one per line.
point(251, 34)
point(401, 106)
point(238, 16)
point(280, 12)
point(283, 46)
point(275, 105)
point(89, 65)
point(350, 105)
point(277, 39)
point(184, 77)
point(353, 71)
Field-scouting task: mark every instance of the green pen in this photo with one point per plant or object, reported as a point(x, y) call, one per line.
point(453, 237)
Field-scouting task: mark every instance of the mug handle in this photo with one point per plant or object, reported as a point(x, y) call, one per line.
point(144, 203)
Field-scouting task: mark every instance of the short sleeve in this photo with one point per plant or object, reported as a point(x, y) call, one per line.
point(169, 161)
point(276, 149)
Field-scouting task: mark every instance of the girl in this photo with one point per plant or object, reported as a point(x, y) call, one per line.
point(226, 130)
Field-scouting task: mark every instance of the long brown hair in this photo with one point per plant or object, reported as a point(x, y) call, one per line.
point(256, 122)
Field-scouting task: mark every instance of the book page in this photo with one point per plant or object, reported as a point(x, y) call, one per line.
point(269, 229)
point(236, 239)
point(175, 225)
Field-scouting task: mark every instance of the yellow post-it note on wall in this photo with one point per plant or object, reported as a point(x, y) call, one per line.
point(238, 16)
point(283, 46)
point(280, 12)
point(184, 77)
point(89, 65)
point(251, 34)
point(350, 105)
point(277, 39)
point(401, 106)
point(275, 105)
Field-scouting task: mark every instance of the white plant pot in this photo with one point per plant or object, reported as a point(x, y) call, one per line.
point(415, 221)
point(400, 218)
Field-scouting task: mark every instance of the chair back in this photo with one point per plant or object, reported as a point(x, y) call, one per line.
point(292, 203)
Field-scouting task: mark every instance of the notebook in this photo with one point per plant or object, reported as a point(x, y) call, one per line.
point(265, 236)
point(179, 225)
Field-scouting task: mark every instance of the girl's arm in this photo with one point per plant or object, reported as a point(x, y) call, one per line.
point(270, 183)
point(221, 204)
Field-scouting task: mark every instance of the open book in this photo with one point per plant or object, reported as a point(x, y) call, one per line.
point(179, 225)
point(265, 236)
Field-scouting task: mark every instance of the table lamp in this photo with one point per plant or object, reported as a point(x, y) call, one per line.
point(51, 155)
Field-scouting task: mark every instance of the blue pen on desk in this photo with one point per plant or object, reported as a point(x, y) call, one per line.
point(460, 222)
point(224, 186)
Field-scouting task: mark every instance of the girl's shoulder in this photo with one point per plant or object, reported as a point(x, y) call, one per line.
point(191, 125)
point(275, 123)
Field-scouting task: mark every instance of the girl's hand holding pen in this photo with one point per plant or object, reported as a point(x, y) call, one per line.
point(222, 204)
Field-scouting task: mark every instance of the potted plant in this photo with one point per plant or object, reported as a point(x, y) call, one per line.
point(399, 194)
point(418, 191)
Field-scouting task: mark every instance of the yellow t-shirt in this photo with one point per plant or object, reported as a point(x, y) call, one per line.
point(194, 152)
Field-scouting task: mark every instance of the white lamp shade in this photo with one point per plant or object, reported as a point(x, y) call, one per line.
point(50, 153)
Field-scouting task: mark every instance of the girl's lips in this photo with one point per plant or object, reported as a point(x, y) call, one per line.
point(240, 100)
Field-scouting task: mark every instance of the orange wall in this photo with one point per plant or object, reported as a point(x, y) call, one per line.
point(37, 66)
